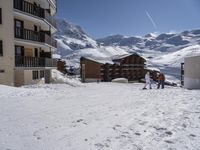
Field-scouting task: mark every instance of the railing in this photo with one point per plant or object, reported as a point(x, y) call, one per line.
point(31, 35)
point(49, 40)
point(54, 2)
point(49, 18)
point(35, 10)
point(34, 62)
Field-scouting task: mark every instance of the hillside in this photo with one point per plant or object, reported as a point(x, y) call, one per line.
point(71, 38)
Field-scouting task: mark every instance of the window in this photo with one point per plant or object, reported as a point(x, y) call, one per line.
point(35, 75)
point(2, 71)
point(35, 28)
point(19, 50)
point(42, 74)
point(19, 27)
point(1, 48)
point(0, 16)
point(36, 52)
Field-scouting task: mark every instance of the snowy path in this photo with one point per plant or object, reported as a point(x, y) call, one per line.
point(104, 116)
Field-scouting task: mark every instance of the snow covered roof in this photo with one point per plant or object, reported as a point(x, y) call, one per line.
point(116, 57)
point(124, 56)
point(109, 60)
point(100, 60)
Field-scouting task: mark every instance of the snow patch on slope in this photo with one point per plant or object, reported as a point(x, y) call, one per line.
point(174, 59)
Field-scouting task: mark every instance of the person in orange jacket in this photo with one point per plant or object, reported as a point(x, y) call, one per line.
point(161, 80)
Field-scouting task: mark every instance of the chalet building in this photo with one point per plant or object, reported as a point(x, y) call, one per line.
point(191, 70)
point(26, 43)
point(61, 65)
point(129, 66)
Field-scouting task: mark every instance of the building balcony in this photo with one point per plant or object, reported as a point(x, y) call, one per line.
point(53, 2)
point(32, 62)
point(34, 36)
point(35, 10)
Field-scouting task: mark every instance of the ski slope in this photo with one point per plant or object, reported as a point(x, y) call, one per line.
point(105, 116)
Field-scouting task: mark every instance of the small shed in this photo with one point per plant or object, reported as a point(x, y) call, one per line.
point(192, 72)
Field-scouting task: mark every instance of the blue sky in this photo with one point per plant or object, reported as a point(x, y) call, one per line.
point(100, 18)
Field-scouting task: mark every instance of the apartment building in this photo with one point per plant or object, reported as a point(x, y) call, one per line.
point(26, 43)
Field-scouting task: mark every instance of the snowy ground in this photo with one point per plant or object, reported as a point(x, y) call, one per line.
point(105, 116)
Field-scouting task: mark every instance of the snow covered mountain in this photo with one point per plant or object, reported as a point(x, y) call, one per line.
point(165, 51)
point(71, 38)
point(165, 42)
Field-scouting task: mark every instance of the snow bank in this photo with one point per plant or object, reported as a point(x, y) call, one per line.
point(60, 78)
point(120, 80)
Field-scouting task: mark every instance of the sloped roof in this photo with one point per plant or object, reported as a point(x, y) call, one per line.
point(100, 60)
point(117, 57)
point(110, 60)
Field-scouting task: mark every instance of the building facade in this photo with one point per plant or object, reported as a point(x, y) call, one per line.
point(26, 43)
point(192, 72)
point(61, 66)
point(131, 67)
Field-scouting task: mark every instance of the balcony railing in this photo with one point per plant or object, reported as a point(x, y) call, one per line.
point(31, 35)
point(34, 62)
point(34, 10)
point(53, 1)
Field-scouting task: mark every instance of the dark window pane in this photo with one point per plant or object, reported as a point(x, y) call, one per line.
point(0, 16)
point(19, 51)
point(1, 48)
point(42, 74)
point(2, 71)
point(35, 75)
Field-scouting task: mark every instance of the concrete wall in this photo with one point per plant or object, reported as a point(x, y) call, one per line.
point(192, 72)
point(48, 76)
point(7, 36)
point(19, 77)
point(25, 77)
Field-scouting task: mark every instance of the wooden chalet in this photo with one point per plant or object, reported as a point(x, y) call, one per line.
point(61, 65)
point(129, 66)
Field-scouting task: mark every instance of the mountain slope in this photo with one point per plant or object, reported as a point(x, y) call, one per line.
point(71, 38)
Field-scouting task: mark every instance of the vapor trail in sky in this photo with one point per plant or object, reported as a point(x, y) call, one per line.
point(151, 19)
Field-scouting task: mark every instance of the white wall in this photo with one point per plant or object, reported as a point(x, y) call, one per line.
point(192, 72)
point(28, 78)
point(7, 36)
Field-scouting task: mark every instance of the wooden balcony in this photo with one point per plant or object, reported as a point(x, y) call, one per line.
point(31, 35)
point(31, 62)
point(35, 10)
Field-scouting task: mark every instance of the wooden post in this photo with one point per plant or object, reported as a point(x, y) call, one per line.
point(182, 74)
point(83, 72)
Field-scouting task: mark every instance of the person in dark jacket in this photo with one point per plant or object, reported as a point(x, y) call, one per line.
point(161, 80)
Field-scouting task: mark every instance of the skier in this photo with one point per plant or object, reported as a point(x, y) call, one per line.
point(161, 80)
point(147, 80)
